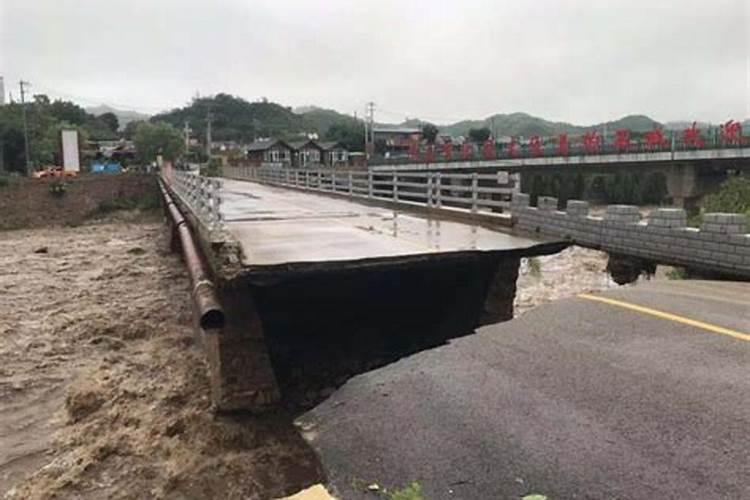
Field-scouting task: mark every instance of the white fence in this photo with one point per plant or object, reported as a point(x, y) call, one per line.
point(202, 194)
point(471, 192)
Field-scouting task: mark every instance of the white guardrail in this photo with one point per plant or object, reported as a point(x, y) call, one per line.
point(470, 192)
point(201, 194)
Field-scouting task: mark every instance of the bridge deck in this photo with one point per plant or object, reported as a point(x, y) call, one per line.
point(278, 226)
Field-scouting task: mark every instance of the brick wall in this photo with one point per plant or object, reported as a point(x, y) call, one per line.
point(29, 202)
point(720, 245)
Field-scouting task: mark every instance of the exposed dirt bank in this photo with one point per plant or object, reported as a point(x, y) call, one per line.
point(104, 391)
point(565, 274)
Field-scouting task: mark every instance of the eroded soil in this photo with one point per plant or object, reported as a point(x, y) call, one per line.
point(566, 274)
point(104, 390)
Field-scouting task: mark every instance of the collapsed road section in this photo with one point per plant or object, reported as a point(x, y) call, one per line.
point(314, 289)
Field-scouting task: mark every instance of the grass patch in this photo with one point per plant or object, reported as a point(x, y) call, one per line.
point(412, 492)
point(535, 267)
point(677, 273)
point(145, 203)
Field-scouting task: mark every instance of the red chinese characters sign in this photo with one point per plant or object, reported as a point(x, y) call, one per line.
point(731, 133)
point(429, 154)
point(488, 149)
point(448, 151)
point(622, 140)
point(562, 145)
point(592, 141)
point(414, 150)
point(655, 139)
point(513, 147)
point(691, 137)
point(535, 145)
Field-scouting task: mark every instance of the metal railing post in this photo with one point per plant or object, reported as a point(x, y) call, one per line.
point(474, 193)
point(351, 187)
point(395, 187)
point(369, 184)
point(439, 190)
point(429, 190)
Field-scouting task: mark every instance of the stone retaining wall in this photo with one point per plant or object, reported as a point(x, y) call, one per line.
point(720, 245)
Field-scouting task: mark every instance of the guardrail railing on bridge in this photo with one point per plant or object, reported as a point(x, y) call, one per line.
point(472, 193)
point(202, 194)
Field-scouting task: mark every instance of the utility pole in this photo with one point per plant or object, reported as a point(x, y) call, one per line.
point(209, 119)
point(27, 147)
point(186, 131)
point(370, 138)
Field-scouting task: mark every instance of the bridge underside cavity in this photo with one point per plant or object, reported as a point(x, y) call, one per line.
point(316, 289)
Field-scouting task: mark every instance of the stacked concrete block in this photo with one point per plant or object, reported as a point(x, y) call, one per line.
point(627, 214)
point(548, 203)
point(519, 201)
point(577, 208)
point(718, 223)
point(721, 245)
point(583, 228)
point(674, 218)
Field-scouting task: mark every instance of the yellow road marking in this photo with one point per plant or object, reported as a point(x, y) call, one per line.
point(669, 316)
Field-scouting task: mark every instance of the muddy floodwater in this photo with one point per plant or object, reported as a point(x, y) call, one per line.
point(104, 390)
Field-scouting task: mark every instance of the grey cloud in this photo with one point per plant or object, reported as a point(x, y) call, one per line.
point(579, 61)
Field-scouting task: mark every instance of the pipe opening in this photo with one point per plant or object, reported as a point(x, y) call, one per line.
point(212, 319)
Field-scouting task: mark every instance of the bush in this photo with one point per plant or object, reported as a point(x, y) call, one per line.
point(411, 492)
point(733, 196)
point(57, 188)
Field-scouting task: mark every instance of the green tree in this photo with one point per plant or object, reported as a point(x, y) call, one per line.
point(733, 196)
point(479, 135)
point(430, 132)
point(153, 139)
point(350, 134)
point(129, 130)
point(110, 120)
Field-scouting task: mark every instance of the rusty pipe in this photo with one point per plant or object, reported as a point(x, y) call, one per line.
point(211, 314)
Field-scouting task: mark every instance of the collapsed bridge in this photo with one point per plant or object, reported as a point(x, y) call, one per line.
point(313, 289)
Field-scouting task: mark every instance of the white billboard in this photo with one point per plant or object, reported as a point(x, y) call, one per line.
point(70, 150)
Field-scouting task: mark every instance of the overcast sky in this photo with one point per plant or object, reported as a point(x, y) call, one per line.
point(582, 61)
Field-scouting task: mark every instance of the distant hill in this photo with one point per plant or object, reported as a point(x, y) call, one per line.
point(235, 119)
point(513, 124)
point(322, 119)
point(123, 116)
point(239, 120)
point(523, 124)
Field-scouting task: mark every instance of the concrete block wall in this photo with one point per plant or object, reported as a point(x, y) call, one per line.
point(721, 244)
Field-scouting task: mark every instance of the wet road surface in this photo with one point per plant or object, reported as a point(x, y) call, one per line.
point(642, 397)
point(279, 226)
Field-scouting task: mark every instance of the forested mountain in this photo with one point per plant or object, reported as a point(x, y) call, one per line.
point(235, 119)
point(322, 119)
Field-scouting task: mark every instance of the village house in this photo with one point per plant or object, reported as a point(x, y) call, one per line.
point(269, 151)
point(395, 142)
point(306, 154)
point(335, 154)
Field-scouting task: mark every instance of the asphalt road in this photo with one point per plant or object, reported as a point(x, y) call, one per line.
point(576, 399)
